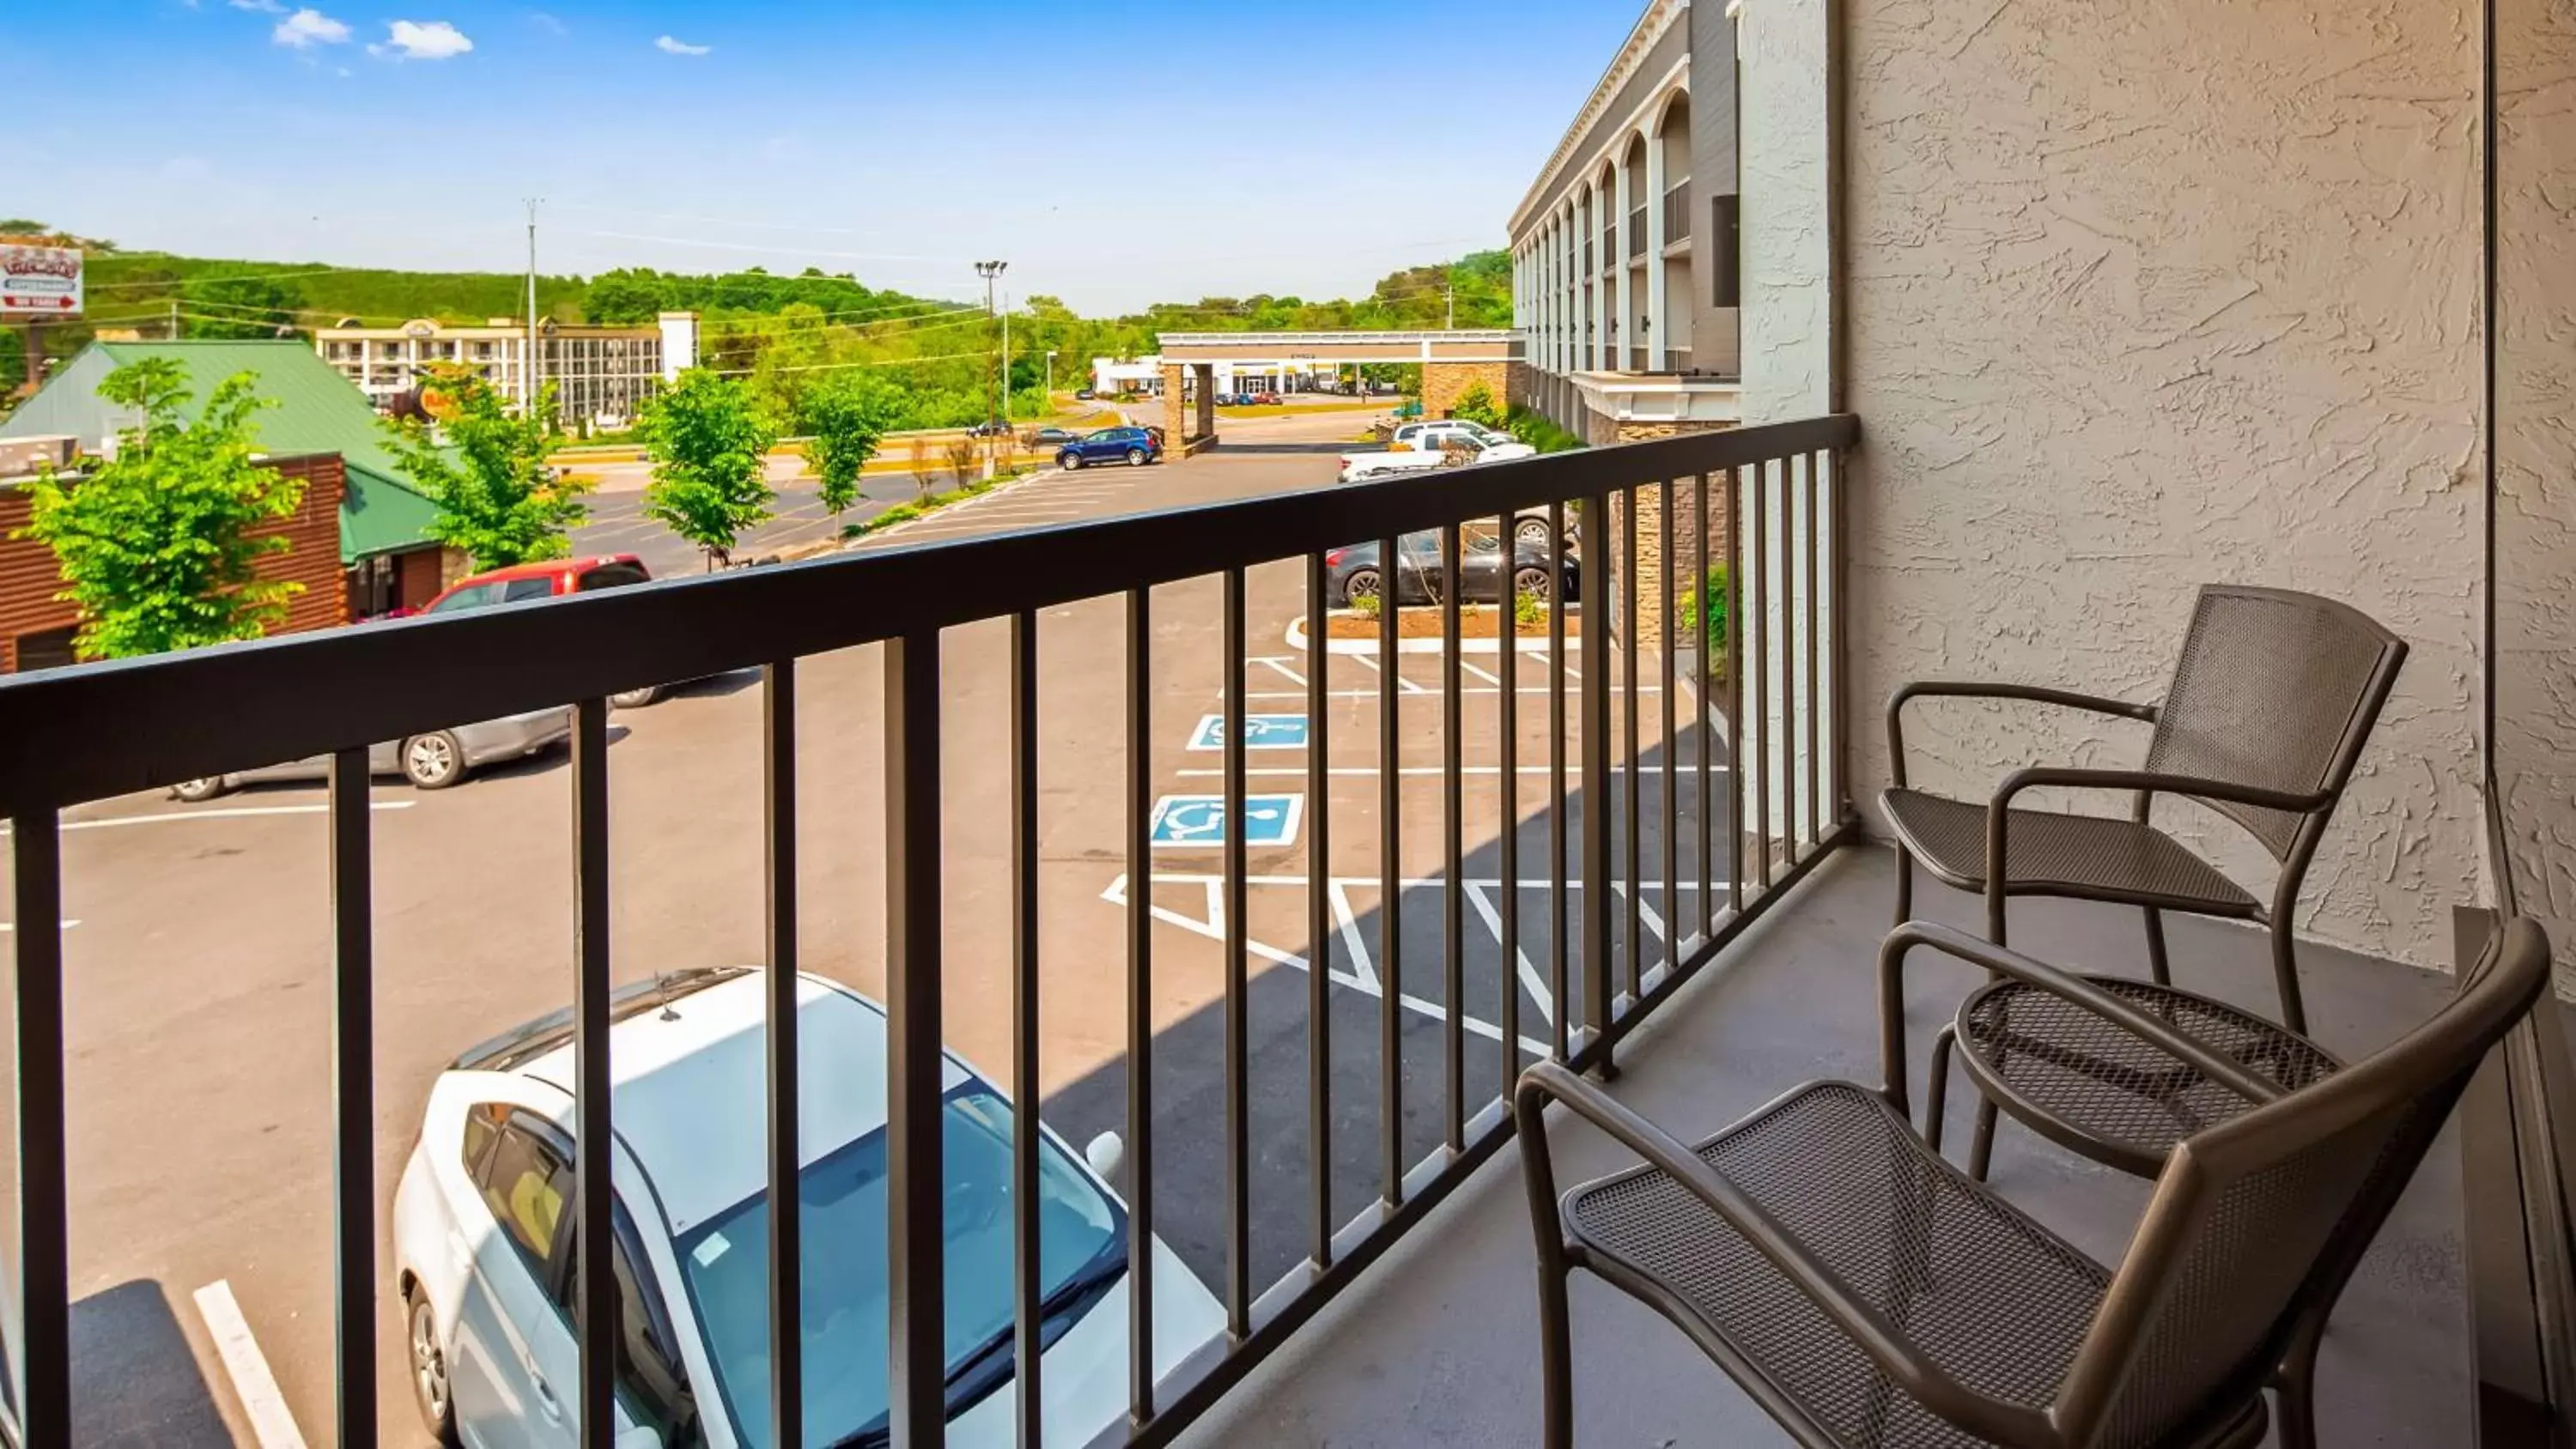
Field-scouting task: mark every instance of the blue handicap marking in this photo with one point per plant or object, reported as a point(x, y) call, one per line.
point(1260, 732)
point(1199, 820)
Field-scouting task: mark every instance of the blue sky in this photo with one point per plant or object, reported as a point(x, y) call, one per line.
point(1115, 153)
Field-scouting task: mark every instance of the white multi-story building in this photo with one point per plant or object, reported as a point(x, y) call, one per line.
point(1625, 274)
point(601, 374)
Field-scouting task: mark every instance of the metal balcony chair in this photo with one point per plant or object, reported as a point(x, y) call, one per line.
point(2263, 721)
point(1865, 1292)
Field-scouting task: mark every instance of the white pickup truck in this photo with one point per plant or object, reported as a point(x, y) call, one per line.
point(1420, 446)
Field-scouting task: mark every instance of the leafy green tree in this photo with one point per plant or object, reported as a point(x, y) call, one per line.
point(1477, 405)
point(708, 438)
point(160, 547)
point(485, 468)
point(242, 307)
point(845, 418)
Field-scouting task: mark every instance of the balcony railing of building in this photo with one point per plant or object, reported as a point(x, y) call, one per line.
point(1752, 516)
point(1677, 212)
point(1637, 233)
point(1609, 244)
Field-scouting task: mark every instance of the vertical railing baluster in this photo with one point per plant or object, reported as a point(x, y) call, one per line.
point(1814, 653)
point(353, 1097)
point(1390, 865)
point(1839, 623)
point(1764, 736)
point(1670, 776)
point(1508, 661)
point(1703, 739)
point(44, 1237)
point(1738, 629)
point(1594, 551)
point(1632, 825)
point(1238, 956)
point(786, 1208)
point(1322, 922)
point(1028, 1245)
point(595, 1305)
point(1559, 973)
point(1140, 1006)
point(1453, 924)
point(916, 1275)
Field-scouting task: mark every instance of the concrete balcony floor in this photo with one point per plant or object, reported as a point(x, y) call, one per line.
point(1438, 1345)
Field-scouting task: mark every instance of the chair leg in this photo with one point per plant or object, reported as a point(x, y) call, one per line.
point(2285, 970)
point(1904, 885)
point(1936, 1094)
point(1556, 1351)
point(1981, 1148)
point(2294, 1391)
point(2156, 964)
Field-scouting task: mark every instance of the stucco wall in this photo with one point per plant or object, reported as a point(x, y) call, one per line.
point(2142, 297)
point(2535, 582)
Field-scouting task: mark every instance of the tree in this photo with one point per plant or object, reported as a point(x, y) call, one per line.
point(845, 417)
point(160, 547)
point(485, 468)
point(708, 439)
point(243, 307)
point(1477, 405)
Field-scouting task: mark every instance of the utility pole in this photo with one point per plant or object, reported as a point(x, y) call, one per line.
point(174, 319)
point(990, 272)
point(528, 366)
point(1452, 288)
point(1006, 359)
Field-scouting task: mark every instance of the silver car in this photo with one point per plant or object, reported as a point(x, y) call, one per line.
point(431, 761)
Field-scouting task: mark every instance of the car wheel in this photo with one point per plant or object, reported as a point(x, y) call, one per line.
point(635, 698)
point(1071, 462)
point(1361, 582)
point(433, 761)
point(1532, 582)
point(1532, 531)
point(429, 1371)
point(205, 787)
point(1136, 457)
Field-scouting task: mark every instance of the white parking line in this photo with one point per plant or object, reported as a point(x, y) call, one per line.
point(229, 812)
point(1298, 772)
point(271, 1423)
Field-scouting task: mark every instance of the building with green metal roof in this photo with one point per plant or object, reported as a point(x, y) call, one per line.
point(317, 411)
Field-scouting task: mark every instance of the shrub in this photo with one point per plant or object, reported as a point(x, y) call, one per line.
point(1477, 405)
point(1364, 605)
point(1535, 430)
point(1528, 609)
point(1688, 609)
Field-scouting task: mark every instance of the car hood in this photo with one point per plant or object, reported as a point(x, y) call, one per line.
point(1084, 1373)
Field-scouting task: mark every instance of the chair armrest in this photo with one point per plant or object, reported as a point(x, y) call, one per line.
point(2148, 783)
point(2190, 1050)
point(1965, 689)
point(1926, 1381)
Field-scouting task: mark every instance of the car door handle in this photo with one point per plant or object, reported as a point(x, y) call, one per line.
point(546, 1401)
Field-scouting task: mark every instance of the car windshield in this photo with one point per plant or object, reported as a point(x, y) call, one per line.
point(1081, 1252)
point(472, 596)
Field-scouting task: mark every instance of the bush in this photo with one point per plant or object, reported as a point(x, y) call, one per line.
point(1539, 432)
point(1528, 609)
point(1477, 406)
point(1688, 610)
point(1364, 605)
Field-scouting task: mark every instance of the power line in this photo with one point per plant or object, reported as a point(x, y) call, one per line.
point(682, 241)
point(842, 366)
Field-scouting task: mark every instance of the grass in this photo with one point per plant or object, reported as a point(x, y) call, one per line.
point(929, 504)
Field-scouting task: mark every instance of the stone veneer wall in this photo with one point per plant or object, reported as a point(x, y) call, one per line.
point(1653, 557)
point(1444, 383)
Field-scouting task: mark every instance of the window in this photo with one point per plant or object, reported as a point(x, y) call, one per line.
point(525, 1185)
point(45, 649)
point(475, 597)
point(537, 588)
point(482, 1127)
point(614, 576)
point(1726, 251)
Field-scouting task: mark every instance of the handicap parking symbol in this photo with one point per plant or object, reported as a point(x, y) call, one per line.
point(1260, 732)
point(1198, 821)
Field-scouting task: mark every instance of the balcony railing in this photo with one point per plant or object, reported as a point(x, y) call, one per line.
point(1751, 515)
point(1637, 233)
point(1677, 212)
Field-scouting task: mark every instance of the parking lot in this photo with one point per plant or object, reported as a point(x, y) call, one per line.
point(198, 970)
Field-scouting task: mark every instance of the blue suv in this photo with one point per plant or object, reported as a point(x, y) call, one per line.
point(1135, 446)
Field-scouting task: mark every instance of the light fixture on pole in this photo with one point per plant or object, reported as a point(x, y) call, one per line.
point(991, 272)
point(1050, 381)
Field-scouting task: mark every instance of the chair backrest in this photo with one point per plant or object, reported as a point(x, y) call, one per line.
point(2278, 690)
point(2249, 1218)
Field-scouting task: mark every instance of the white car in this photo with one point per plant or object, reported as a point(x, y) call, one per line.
point(483, 1233)
point(1419, 447)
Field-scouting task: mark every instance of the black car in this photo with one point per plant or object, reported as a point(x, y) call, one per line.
point(995, 428)
point(1083, 394)
point(1353, 571)
point(1051, 437)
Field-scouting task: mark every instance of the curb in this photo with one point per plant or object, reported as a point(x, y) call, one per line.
point(1014, 486)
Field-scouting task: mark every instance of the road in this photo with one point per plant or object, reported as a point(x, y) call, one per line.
point(199, 982)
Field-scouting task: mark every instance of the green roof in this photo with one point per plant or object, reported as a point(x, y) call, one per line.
point(317, 411)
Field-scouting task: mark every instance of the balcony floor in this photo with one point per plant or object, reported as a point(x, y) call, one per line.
point(1438, 1345)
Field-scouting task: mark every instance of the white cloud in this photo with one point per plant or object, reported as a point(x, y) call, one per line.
point(309, 27)
point(669, 46)
point(264, 7)
point(547, 23)
point(423, 40)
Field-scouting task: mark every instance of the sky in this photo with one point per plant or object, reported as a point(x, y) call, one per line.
point(1114, 153)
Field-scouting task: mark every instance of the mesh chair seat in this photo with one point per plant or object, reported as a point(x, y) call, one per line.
point(2064, 854)
point(2090, 1085)
point(2001, 1303)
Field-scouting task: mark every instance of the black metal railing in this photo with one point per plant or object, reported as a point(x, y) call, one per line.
point(1677, 212)
point(1748, 520)
point(1637, 232)
point(1609, 244)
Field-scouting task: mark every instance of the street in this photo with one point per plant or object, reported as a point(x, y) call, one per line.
point(199, 982)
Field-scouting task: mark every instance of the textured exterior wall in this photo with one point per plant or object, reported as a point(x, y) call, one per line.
point(2535, 583)
point(2141, 298)
point(1786, 329)
point(1444, 383)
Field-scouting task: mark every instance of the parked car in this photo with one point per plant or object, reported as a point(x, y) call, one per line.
point(1136, 446)
point(1051, 437)
point(1353, 571)
point(1084, 394)
point(1264, 399)
point(484, 1236)
point(551, 579)
point(1357, 467)
point(432, 761)
point(990, 428)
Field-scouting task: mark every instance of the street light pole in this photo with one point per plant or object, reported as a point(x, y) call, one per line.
point(1050, 386)
point(991, 272)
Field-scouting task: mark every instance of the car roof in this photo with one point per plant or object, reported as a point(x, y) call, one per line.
point(547, 568)
point(687, 1086)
